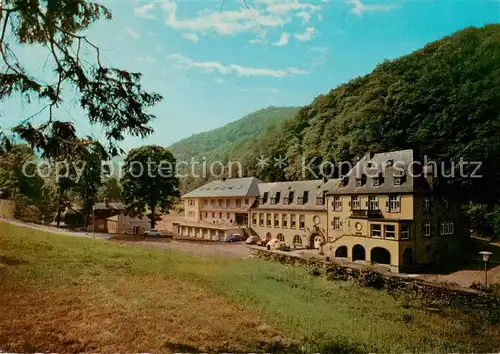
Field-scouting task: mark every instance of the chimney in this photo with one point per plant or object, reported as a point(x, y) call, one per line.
point(369, 155)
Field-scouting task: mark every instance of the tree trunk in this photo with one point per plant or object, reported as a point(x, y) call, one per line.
point(58, 216)
point(153, 217)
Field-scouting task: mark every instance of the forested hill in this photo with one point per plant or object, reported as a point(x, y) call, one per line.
point(234, 138)
point(442, 100)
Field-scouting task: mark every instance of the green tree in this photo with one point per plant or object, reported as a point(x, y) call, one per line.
point(110, 190)
point(149, 182)
point(109, 96)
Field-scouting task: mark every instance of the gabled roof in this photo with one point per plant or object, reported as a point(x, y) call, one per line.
point(109, 206)
point(234, 187)
point(315, 188)
point(388, 166)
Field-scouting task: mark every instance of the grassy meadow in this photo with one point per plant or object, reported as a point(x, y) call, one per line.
point(68, 294)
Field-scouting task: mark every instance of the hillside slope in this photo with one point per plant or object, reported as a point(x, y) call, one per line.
point(232, 139)
point(442, 100)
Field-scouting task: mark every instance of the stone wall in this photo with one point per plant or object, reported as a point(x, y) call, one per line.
point(432, 294)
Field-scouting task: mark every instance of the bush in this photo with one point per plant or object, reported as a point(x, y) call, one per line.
point(370, 278)
point(283, 247)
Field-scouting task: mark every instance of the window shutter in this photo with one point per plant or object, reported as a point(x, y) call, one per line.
point(398, 198)
point(340, 222)
point(350, 203)
point(366, 203)
point(387, 204)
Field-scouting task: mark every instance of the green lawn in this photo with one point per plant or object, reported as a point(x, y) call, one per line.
point(64, 293)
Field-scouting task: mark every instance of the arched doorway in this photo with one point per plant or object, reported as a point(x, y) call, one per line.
point(281, 237)
point(268, 236)
point(358, 253)
point(341, 252)
point(380, 255)
point(408, 257)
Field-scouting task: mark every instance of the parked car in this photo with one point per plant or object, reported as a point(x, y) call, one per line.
point(274, 244)
point(152, 232)
point(252, 240)
point(234, 238)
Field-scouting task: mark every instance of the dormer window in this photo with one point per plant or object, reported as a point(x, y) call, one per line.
point(303, 200)
point(399, 178)
point(320, 199)
point(289, 199)
point(378, 180)
point(360, 182)
point(263, 199)
point(276, 198)
point(344, 182)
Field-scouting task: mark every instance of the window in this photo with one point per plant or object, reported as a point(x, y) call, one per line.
point(320, 200)
point(427, 204)
point(261, 219)
point(398, 181)
point(297, 240)
point(337, 203)
point(205, 202)
point(290, 198)
point(276, 220)
point(206, 215)
point(246, 201)
point(220, 215)
point(404, 232)
point(191, 202)
point(446, 204)
point(221, 203)
point(355, 203)
point(447, 228)
point(394, 204)
point(212, 202)
point(373, 203)
point(281, 237)
point(344, 182)
point(377, 181)
point(213, 215)
point(302, 222)
point(427, 228)
point(228, 215)
point(376, 230)
point(284, 221)
point(292, 221)
point(276, 198)
point(264, 198)
point(360, 182)
point(337, 223)
point(303, 200)
point(390, 231)
point(254, 219)
point(238, 203)
point(268, 220)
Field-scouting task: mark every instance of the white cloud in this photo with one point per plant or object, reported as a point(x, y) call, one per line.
point(359, 7)
point(283, 40)
point(130, 31)
point(146, 59)
point(306, 36)
point(185, 63)
point(271, 15)
point(218, 80)
point(285, 7)
point(306, 16)
point(192, 37)
point(145, 11)
point(319, 49)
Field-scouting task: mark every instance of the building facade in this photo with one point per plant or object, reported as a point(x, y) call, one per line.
point(293, 212)
point(386, 211)
point(218, 208)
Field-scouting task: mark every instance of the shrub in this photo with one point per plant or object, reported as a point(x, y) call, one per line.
point(369, 278)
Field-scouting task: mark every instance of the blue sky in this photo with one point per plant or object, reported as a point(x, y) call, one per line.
point(215, 61)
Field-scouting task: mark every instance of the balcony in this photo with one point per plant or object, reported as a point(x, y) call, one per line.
point(366, 214)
